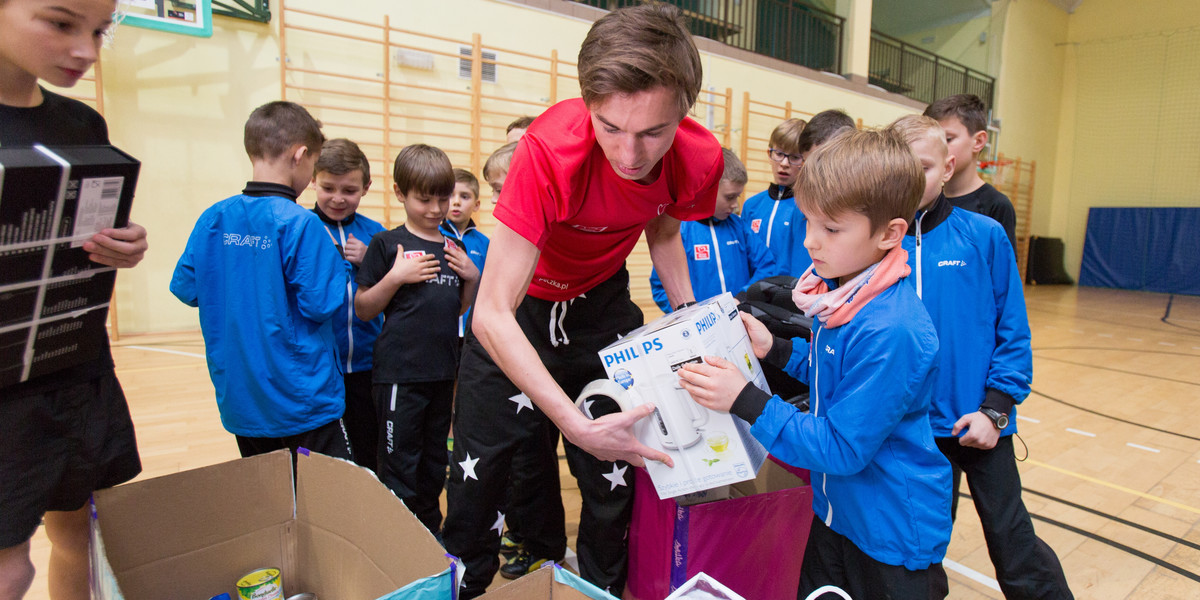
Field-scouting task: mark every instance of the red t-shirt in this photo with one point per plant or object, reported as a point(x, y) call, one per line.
point(563, 196)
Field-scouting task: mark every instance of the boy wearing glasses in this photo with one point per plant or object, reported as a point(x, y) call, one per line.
point(772, 213)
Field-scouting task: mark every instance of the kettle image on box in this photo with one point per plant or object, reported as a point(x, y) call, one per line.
point(677, 418)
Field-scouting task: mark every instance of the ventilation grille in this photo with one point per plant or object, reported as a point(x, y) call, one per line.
point(489, 64)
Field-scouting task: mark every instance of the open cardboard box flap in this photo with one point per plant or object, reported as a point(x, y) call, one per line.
point(545, 584)
point(193, 534)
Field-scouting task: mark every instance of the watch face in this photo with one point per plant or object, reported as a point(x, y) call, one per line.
point(1002, 422)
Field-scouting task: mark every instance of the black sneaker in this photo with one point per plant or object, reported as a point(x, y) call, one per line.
point(522, 564)
point(510, 544)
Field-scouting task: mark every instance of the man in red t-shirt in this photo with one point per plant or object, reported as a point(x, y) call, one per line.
point(587, 179)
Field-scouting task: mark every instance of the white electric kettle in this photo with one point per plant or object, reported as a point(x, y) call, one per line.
point(676, 419)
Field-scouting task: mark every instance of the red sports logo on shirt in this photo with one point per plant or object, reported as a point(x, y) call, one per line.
point(700, 252)
point(755, 224)
point(414, 253)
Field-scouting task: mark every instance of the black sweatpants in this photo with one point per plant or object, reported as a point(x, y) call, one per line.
point(414, 422)
point(361, 419)
point(832, 559)
point(329, 439)
point(493, 418)
point(1025, 566)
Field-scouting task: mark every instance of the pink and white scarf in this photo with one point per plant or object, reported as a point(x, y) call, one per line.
point(836, 308)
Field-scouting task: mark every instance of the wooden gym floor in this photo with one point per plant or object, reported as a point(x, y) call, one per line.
point(1112, 477)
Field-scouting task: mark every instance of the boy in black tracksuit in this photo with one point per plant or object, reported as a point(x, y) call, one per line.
point(421, 281)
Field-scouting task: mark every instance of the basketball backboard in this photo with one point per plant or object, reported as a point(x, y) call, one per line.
point(188, 18)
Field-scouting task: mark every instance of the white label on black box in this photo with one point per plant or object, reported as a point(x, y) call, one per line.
point(97, 210)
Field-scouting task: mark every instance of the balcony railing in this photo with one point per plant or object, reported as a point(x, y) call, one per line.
point(900, 67)
point(788, 30)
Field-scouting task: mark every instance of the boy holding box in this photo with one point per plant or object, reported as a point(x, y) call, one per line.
point(881, 488)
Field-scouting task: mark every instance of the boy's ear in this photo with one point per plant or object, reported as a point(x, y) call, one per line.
point(366, 187)
point(893, 234)
point(298, 154)
point(951, 163)
point(978, 141)
point(396, 190)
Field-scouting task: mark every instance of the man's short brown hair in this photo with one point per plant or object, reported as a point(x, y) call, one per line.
point(969, 109)
point(638, 48)
point(786, 137)
point(823, 126)
point(276, 127)
point(735, 171)
point(499, 160)
point(340, 156)
point(423, 169)
point(467, 177)
point(873, 173)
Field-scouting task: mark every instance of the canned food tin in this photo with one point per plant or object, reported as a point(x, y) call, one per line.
point(304, 596)
point(261, 584)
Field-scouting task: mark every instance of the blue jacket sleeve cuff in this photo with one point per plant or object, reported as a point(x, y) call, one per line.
point(998, 401)
point(780, 353)
point(749, 403)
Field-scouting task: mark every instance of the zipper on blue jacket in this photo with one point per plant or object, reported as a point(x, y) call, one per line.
point(813, 357)
point(920, 217)
point(717, 250)
point(771, 220)
point(349, 311)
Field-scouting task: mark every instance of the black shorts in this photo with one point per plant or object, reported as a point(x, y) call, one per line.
point(57, 447)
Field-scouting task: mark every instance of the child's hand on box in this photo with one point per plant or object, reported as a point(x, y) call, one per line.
point(461, 263)
point(714, 384)
point(761, 340)
point(413, 270)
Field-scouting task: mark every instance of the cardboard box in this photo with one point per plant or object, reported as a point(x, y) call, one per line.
point(704, 587)
point(193, 534)
point(53, 299)
point(551, 582)
point(753, 542)
point(710, 448)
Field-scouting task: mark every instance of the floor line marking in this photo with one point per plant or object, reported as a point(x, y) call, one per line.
point(1179, 505)
point(1141, 447)
point(1030, 419)
point(165, 351)
point(1160, 343)
point(1081, 432)
point(1078, 331)
point(971, 574)
point(1106, 335)
point(1135, 339)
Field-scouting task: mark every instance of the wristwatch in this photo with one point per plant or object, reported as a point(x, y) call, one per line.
point(999, 419)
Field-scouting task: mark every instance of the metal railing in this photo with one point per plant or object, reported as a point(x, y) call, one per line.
point(900, 67)
point(788, 30)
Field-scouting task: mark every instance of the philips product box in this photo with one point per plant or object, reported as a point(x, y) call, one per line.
point(710, 449)
point(53, 299)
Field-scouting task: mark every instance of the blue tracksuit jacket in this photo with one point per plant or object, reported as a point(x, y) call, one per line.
point(773, 216)
point(355, 337)
point(267, 279)
point(878, 476)
point(966, 275)
point(723, 256)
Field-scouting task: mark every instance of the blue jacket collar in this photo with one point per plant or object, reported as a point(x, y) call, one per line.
point(262, 189)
